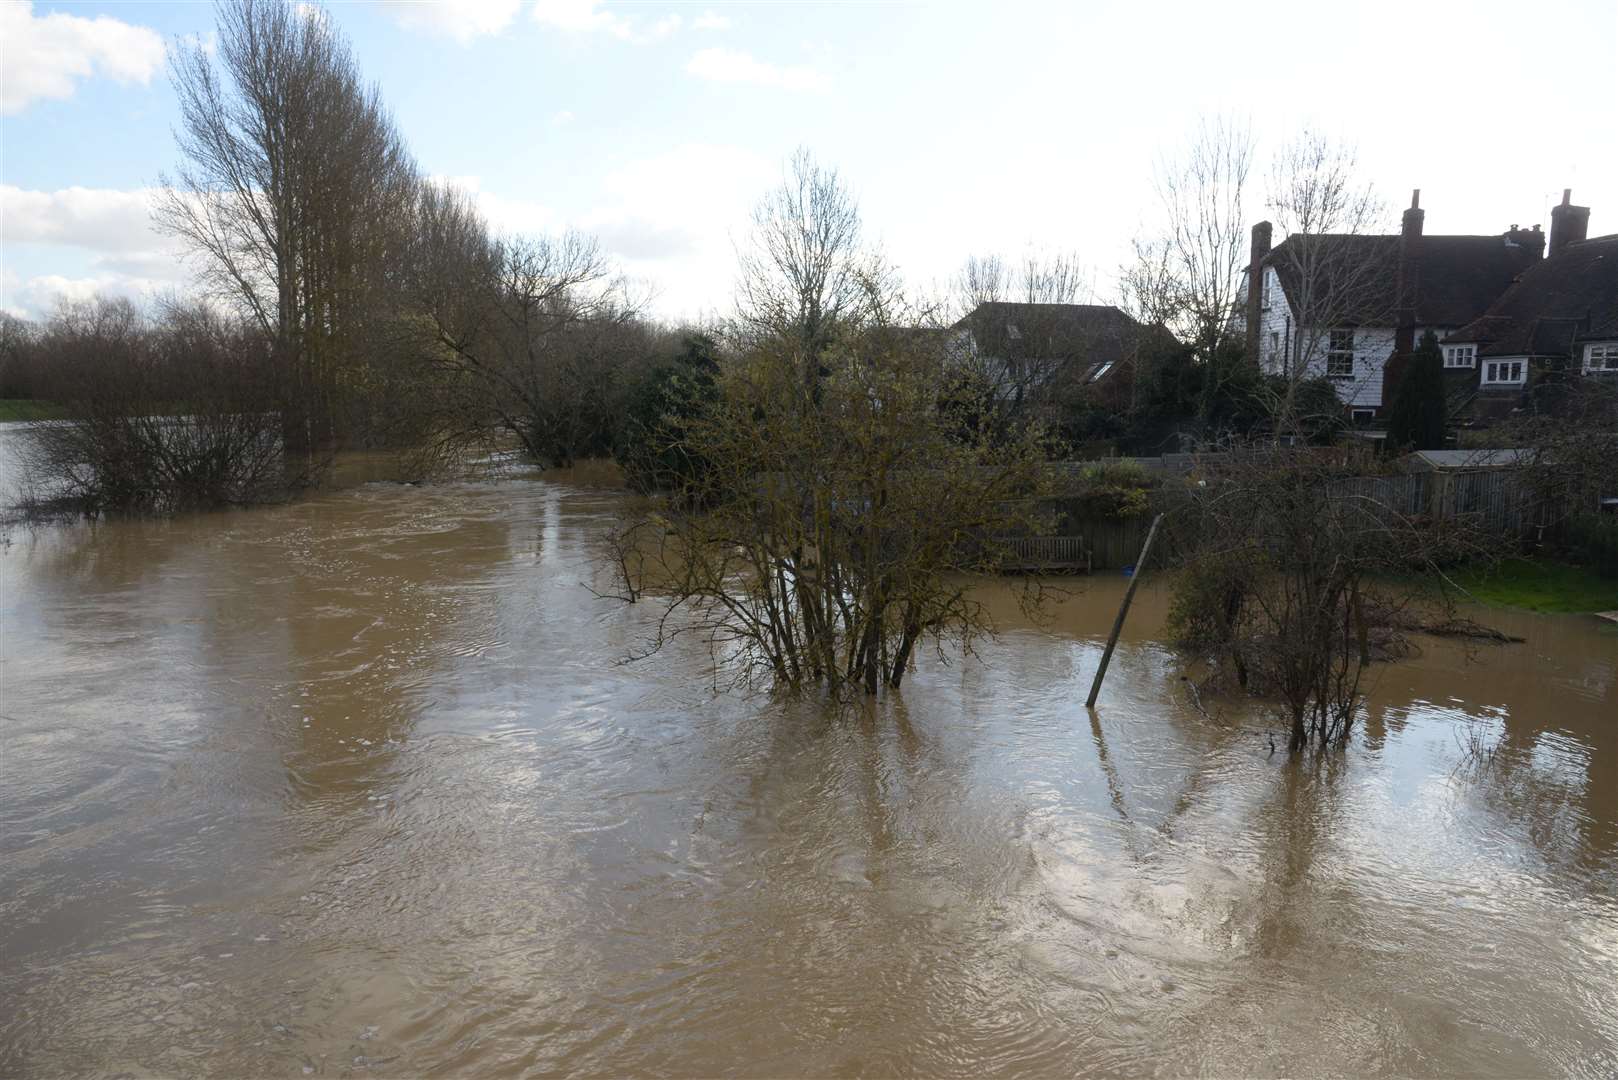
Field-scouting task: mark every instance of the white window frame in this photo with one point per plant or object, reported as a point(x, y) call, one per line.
point(1512, 371)
point(1460, 356)
point(1264, 289)
point(1601, 357)
point(1339, 349)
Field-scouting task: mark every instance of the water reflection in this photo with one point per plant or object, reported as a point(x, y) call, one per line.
point(358, 785)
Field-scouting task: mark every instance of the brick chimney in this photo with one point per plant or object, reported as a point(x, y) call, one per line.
point(1407, 283)
point(1255, 286)
point(1569, 223)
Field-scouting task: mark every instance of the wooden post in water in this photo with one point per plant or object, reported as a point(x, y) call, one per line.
point(1123, 612)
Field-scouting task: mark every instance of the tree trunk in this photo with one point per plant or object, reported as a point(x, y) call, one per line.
point(901, 658)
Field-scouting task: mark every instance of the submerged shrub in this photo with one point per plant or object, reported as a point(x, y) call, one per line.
point(178, 413)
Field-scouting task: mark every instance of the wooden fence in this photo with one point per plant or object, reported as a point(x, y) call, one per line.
point(1494, 500)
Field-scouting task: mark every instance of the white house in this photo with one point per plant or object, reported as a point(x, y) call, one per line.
point(1341, 306)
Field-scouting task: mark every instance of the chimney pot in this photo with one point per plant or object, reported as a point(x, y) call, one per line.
point(1415, 199)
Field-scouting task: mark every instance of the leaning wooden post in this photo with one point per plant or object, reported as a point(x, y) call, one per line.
point(1123, 612)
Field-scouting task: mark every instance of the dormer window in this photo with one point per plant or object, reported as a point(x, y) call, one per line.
point(1460, 356)
point(1601, 357)
point(1505, 372)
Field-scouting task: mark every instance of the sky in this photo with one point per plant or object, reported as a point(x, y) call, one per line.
point(962, 128)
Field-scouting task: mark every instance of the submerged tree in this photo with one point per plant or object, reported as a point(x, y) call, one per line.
point(167, 412)
point(653, 449)
point(1302, 572)
point(832, 530)
point(841, 505)
point(522, 338)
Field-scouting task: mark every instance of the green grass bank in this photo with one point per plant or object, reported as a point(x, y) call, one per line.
point(1540, 585)
point(28, 409)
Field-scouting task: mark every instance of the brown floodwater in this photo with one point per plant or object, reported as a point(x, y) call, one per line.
point(360, 786)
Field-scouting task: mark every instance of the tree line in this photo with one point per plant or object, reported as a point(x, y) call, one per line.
point(393, 315)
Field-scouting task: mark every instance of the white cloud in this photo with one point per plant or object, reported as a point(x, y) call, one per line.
point(637, 238)
point(581, 16)
point(462, 20)
point(711, 20)
point(562, 118)
point(105, 220)
point(106, 231)
point(731, 66)
point(504, 213)
point(670, 218)
point(37, 297)
point(45, 56)
point(665, 26)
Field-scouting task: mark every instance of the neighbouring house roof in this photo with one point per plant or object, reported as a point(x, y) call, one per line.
point(1457, 277)
point(1469, 459)
point(1096, 335)
point(1566, 299)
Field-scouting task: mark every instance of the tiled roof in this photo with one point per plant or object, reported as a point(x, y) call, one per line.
point(1096, 333)
point(1568, 298)
point(1458, 276)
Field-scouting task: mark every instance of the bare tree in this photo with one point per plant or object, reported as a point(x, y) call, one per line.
point(525, 337)
point(1190, 276)
point(804, 266)
point(1336, 272)
point(20, 374)
point(1149, 284)
point(1038, 277)
point(1567, 438)
point(292, 189)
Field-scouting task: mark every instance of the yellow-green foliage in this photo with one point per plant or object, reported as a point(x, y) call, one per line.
point(1115, 489)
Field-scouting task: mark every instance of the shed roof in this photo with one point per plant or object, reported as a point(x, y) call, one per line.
point(1469, 459)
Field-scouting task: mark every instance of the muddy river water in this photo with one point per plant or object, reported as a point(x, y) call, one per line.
point(358, 786)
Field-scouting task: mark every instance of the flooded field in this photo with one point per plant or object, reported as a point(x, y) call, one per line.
point(359, 787)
